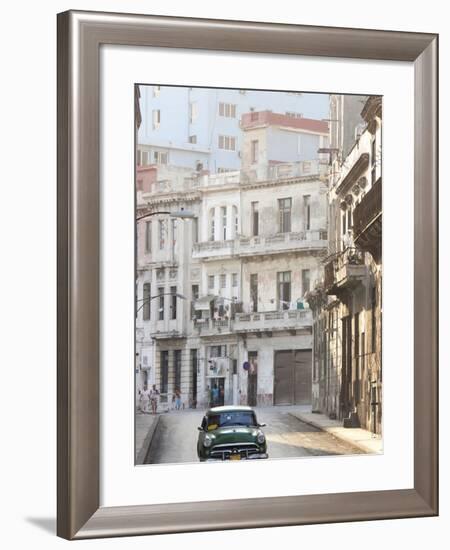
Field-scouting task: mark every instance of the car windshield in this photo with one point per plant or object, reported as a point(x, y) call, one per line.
point(233, 418)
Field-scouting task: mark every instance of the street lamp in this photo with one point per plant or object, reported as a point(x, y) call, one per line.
point(184, 214)
point(146, 300)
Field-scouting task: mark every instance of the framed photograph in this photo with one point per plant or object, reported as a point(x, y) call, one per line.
point(247, 274)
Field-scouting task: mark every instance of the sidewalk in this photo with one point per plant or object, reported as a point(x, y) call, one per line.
point(363, 439)
point(145, 428)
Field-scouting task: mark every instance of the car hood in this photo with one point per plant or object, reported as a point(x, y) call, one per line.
point(234, 434)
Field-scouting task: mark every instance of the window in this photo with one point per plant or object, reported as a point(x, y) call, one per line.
point(212, 224)
point(161, 304)
point(223, 170)
point(177, 368)
point(307, 211)
point(156, 118)
point(373, 159)
point(223, 215)
point(234, 279)
point(162, 233)
point(227, 110)
point(160, 157)
point(211, 282)
point(284, 289)
point(173, 302)
point(235, 220)
point(349, 218)
point(146, 301)
point(148, 236)
point(254, 291)
point(227, 142)
point(194, 296)
point(193, 139)
point(223, 280)
point(164, 371)
point(344, 223)
point(142, 158)
point(292, 114)
point(255, 151)
point(194, 292)
point(255, 218)
point(284, 208)
point(306, 281)
point(174, 232)
point(156, 91)
point(193, 111)
point(218, 351)
point(194, 230)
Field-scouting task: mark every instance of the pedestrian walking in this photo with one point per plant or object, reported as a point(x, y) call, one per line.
point(154, 396)
point(215, 395)
point(144, 399)
point(177, 399)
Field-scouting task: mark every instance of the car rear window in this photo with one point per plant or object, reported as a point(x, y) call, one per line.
point(235, 418)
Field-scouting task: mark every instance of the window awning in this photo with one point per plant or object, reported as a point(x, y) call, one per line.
point(203, 303)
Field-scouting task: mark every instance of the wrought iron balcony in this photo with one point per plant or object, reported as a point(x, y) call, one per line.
point(367, 221)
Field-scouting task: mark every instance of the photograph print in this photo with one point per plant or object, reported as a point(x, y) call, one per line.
point(258, 274)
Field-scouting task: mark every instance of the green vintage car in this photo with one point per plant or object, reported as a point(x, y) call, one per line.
point(231, 433)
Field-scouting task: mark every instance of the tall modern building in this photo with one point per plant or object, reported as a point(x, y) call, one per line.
point(199, 128)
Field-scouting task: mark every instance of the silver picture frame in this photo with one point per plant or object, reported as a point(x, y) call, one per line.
point(80, 36)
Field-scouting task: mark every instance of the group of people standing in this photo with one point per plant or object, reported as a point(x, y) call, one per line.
point(148, 397)
point(151, 397)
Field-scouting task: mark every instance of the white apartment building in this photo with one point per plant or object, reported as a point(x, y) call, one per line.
point(227, 289)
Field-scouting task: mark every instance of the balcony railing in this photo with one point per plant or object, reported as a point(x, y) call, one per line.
point(267, 321)
point(344, 270)
point(270, 244)
point(210, 327)
point(281, 171)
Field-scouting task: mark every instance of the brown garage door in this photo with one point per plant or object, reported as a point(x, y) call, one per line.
point(292, 384)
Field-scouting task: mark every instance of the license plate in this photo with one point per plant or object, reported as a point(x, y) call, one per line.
point(235, 457)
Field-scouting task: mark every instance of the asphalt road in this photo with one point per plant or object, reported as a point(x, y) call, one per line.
point(175, 440)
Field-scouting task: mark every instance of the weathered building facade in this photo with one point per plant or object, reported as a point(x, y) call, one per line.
point(347, 304)
point(221, 295)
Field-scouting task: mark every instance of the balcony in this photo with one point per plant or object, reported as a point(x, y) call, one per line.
point(280, 243)
point(213, 249)
point(344, 271)
point(367, 221)
point(282, 171)
point(212, 327)
point(269, 321)
point(277, 243)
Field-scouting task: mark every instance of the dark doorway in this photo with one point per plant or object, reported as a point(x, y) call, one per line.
point(217, 399)
point(252, 382)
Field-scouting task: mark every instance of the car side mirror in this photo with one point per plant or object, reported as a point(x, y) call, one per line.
point(262, 425)
point(199, 428)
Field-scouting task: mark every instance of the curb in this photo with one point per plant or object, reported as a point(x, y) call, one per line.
point(142, 454)
point(330, 430)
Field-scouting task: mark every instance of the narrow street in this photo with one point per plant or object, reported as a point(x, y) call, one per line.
point(175, 439)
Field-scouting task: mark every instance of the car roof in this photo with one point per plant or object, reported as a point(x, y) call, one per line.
point(230, 408)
